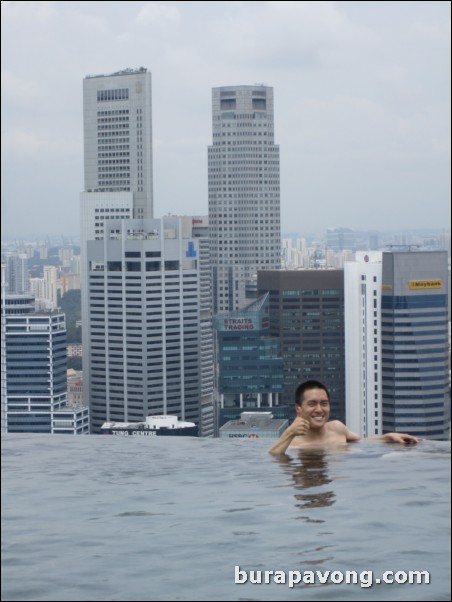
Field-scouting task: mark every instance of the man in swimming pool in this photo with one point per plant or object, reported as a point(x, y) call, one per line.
point(311, 427)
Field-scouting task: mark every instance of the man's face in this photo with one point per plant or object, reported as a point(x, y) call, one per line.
point(315, 408)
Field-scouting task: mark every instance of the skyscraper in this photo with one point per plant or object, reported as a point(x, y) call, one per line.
point(16, 273)
point(415, 355)
point(117, 126)
point(244, 195)
point(362, 287)
point(146, 305)
point(117, 118)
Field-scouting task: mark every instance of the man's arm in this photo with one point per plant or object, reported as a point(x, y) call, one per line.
point(298, 427)
point(396, 438)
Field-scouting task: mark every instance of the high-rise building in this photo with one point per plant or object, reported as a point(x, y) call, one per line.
point(362, 287)
point(415, 355)
point(150, 323)
point(36, 386)
point(146, 285)
point(117, 118)
point(16, 273)
point(307, 315)
point(244, 195)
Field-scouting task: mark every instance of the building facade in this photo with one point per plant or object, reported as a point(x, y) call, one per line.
point(250, 366)
point(307, 315)
point(117, 123)
point(149, 323)
point(16, 266)
point(244, 192)
point(415, 354)
point(362, 287)
point(36, 387)
point(117, 118)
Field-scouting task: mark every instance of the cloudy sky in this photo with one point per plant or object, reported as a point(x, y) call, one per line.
point(362, 104)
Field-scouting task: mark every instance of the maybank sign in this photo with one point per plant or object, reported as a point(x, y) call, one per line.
point(424, 284)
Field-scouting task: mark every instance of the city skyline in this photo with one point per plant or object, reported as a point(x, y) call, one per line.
point(362, 102)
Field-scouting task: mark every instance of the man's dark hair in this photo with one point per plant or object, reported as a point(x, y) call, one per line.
point(306, 386)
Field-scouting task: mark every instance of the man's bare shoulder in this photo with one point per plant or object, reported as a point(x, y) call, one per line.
point(336, 426)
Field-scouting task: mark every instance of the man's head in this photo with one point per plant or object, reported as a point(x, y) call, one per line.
point(312, 402)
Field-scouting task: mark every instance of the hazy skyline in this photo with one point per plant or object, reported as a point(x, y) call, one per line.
point(362, 104)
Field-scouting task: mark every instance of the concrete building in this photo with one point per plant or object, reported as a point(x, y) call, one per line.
point(307, 315)
point(244, 194)
point(362, 288)
point(415, 354)
point(117, 118)
point(149, 323)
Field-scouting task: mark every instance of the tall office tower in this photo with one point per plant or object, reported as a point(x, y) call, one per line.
point(415, 356)
point(16, 273)
point(362, 287)
point(36, 385)
point(117, 123)
point(149, 323)
point(117, 120)
point(244, 197)
point(117, 116)
point(307, 314)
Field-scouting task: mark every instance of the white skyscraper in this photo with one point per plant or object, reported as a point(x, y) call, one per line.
point(117, 124)
point(244, 195)
point(146, 305)
point(362, 288)
point(117, 117)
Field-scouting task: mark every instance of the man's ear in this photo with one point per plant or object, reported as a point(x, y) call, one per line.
point(298, 410)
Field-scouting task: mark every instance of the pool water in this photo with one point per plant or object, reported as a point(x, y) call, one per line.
point(108, 518)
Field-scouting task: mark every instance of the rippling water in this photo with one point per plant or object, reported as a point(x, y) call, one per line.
point(107, 518)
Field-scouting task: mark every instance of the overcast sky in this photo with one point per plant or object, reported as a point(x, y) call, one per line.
point(362, 104)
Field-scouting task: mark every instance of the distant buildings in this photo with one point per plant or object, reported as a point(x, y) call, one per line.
point(340, 239)
point(244, 195)
point(16, 273)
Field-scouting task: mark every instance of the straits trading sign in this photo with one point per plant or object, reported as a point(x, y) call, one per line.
point(423, 284)
point(238, 324)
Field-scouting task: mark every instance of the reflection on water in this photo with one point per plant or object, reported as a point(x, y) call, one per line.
point(309, 470)
point(98, 518)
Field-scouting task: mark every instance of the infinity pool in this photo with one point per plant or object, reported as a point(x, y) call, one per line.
point(107, 518)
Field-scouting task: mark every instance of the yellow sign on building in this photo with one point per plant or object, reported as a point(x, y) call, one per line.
point(423, 284)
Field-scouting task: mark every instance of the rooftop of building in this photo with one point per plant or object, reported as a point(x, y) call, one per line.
point(262, 421)
point(126, 71)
